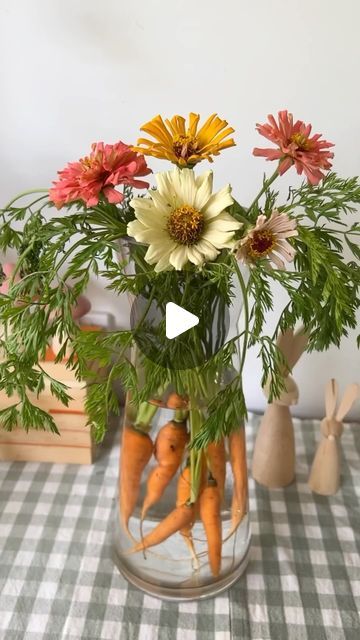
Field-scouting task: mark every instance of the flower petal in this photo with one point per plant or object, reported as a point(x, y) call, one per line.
point(179, 257)
point(164, 263)
point(195, 255)
point(147, 212)
point(224, 222)
point(157, 249)
point(187, 187)
point(218, 202)
point(204, 185)
point(286, 250)
point(276, 260)
point(220, 239)
point(134, 228)
point(207, 249)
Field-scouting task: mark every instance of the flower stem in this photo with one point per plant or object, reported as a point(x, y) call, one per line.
point(266, 185)
point(180, 415)
point(145, 415)
point(20, 262)
point(246, 314)
point(195, 455)
point(23, 194)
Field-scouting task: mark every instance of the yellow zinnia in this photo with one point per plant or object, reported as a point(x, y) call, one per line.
point(185, 146)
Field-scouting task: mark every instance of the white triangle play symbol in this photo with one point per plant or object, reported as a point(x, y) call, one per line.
point(178, 320)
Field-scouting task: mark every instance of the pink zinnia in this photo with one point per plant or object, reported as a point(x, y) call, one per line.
point(295, 146)
point(98, 174)
point(268, 240)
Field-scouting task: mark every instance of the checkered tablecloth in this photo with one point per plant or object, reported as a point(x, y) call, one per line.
point(58, 581)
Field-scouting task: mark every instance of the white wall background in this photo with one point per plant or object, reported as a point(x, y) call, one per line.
point(78, 71)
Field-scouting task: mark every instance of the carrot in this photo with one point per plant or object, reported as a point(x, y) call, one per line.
point(158, 402)
point(136, 451)
point(157, 481)
point(183, 486)
point(179, 518)
point(183, 497)
point(210, 503)
point(169, 448)
point(170, 443)
point(217, 462)
point(237, 446)
point(175, 401)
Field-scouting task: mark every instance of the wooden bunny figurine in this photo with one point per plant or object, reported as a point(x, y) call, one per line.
point(324, 476)
point(273, 463)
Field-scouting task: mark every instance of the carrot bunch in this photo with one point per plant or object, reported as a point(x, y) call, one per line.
point(200, 485)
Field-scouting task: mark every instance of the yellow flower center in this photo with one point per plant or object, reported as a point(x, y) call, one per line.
point(185, 225)
point(86, 162)
point(301, 141)
point(261, 243)
point(185, 146)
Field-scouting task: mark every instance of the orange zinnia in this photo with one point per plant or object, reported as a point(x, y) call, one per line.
point(184, 145)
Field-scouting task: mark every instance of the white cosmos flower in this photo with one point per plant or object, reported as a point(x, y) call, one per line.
point(183, 220)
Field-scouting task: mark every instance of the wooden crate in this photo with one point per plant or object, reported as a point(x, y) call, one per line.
point(74, 445)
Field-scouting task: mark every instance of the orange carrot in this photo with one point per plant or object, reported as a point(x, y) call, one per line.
point(180, 517)
point(169, 449)
point(136, 451)
point(157, 481)
point(183, 487)
point(217, 461)
point(237, 446)
point(158, 402)
point(210, 503)
point(170, 443)
point(183, 495)
point(175, 401)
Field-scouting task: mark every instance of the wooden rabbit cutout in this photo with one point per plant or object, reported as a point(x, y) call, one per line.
point(273, 463)
point(324, 476)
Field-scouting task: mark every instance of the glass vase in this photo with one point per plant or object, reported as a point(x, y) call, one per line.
point(182, 527)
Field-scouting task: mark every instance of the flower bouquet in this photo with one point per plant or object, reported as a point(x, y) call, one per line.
point(182, 526)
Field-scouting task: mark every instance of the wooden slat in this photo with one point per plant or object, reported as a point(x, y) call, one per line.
point(47, 401)
point(69, 437)
point(68, 421)
point(74, 445)
point(39, 453)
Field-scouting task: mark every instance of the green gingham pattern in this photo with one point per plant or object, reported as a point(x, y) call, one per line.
point(58, 581)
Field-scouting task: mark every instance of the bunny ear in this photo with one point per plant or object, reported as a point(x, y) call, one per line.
point(352, 392)
point(285, 341)
point(292, 346)
point(299, 343)
point(331, 394)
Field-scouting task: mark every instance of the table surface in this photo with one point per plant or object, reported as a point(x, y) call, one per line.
point(58, 581)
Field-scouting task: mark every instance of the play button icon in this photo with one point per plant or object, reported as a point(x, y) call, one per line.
point(178, 320)
point(175, 337)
